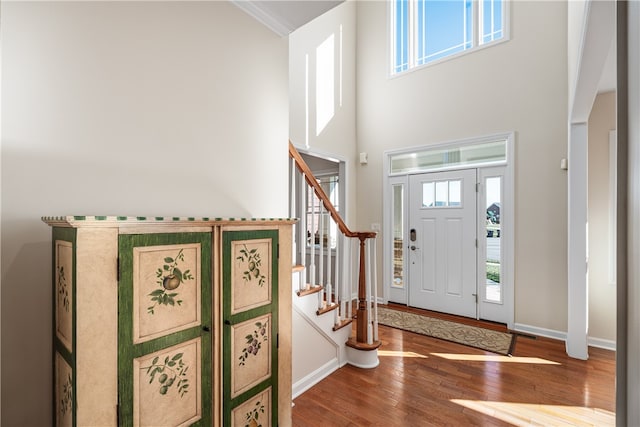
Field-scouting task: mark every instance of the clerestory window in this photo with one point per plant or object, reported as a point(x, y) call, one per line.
point(424, 31)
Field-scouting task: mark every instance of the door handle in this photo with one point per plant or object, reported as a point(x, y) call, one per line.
point(413, 247)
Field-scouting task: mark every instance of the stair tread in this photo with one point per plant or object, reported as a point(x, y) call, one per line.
point(310, 290)
point(327, 308)
point(345, 322)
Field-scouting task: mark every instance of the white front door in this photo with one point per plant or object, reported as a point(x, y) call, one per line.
point(442, 242)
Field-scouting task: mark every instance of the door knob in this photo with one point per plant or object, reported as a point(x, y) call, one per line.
point(413, 248)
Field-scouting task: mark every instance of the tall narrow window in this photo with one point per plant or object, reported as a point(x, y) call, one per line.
point(423, 31)
point(398, 236)
point(493, 186)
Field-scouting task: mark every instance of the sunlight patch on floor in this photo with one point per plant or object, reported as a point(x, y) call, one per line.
point(495, 358)
point(401, 354)
point(527, 414)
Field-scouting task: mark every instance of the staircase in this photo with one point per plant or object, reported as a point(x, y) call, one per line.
point(334, 285)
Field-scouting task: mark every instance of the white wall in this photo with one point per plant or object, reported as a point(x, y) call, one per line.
point(576, 14)
point(125, 108)
point(602, 293)
point(338, 138)
point(520, 86)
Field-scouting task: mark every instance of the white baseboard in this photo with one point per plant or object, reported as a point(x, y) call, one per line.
point(541, 332)
point(562, 336)
point(602, 343)
point(314, 378)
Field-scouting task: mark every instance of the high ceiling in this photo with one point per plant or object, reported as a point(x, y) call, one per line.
point(285, 16)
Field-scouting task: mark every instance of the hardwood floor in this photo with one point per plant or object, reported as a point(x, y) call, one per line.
point(424, 381)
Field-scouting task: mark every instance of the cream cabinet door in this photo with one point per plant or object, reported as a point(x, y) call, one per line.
point(164, 329)
point(250, 330)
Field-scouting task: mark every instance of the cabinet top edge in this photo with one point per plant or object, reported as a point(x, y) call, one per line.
point(77, 221)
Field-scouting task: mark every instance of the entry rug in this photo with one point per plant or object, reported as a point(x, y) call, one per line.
point(473, 336)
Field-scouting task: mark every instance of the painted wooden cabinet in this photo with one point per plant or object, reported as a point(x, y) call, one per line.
point(171, 322)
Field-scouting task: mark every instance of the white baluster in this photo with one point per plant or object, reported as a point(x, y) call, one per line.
point(293, 186)
point(349, 277)
point(338, 288)
point(312, 255)
point(320, 244)
point(321, 254)
point(302, 239)
point(329, 262)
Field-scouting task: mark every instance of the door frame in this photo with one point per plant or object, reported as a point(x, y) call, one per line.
point(508, 209)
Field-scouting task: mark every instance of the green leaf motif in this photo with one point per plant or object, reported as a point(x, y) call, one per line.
point(63, 289)
point(253, 261)
point(254, 414)
point(254, 342)
point(173, 368)
point(170, 277)
point(67, 396)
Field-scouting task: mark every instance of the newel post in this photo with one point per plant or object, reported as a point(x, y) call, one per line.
point(363, 310)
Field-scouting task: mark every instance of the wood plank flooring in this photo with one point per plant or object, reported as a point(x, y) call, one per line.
point(424, 381)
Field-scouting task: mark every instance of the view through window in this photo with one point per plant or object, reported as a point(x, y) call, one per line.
point(493, 186)
point(423, 31)
point(319, 224)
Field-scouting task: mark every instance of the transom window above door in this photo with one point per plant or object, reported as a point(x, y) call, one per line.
point(483, 152)
point(425, 31)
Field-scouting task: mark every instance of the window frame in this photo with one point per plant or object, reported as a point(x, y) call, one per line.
point(475, 37)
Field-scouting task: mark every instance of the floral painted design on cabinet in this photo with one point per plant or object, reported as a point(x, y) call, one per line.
point(64, 392)
point(251, 269)
point(168, 371)
point(255, 367)
point(166, 386)
point(253, 260)
point(254, 342)
point(166, 289)
point(169, 278)
point(63, 282)
point(255, 412)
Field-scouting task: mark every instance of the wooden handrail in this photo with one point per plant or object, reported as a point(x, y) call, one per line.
point(313, 182)
point(362, 317)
